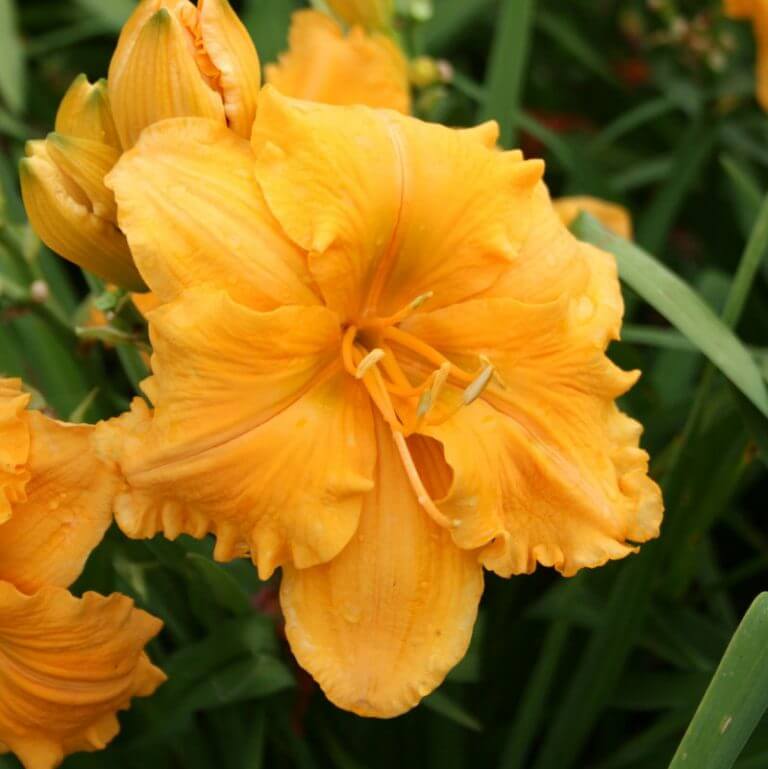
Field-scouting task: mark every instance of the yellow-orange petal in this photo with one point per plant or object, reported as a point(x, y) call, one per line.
point(194, 214)
point(371, 14)
point(85, 163)
point(155, 76)
point(85, 113)
point(381, 625)
point(227, 42)
point(62, 215)
point(257, 435)
point(14, 446)
point(544, 463)
point(613, 216)
point(389, 207)
point(323, 64)
point(67, 666)
point(65, 511)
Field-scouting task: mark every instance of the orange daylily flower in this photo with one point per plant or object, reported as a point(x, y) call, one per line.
point(324, 64)
point(379, 364)
point(172, 58)
point(67, 664)
point(371, 14)
point(757, 12)
point(611, 215)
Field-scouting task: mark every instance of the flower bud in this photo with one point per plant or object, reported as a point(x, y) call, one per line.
point(62, 184)
point(371, 14)
point(611, 215)
point(175, 59)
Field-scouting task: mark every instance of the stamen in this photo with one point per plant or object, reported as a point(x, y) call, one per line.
point(347, 347)
point(418, 485)
point(413, 344)
point(409, 308)
point(370, 360)
point(475, 390)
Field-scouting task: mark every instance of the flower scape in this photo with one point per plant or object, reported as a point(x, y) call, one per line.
point(378, 365)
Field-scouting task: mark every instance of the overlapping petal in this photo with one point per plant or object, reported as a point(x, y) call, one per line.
point(14, 446)
point(382, 623)
point(194, 214)
point(390, 207)
point(544, 463)
point(257, 435)
point(326, 65)
point(67, 665)
point(85, 113)
point(65, 510)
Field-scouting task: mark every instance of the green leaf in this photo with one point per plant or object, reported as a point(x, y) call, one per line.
point(268, 23)
point(112, 13)
point(12, 72)
point(736, 698)
point(441, 703)
point(680, 305)
point(224, 587)
point(507, 66)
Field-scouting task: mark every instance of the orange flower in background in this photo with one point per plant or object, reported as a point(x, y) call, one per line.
point(371, 14)
point(611, 215)
point(757, 12)
point(67, 664)
point(324, 64)
point(379, 363)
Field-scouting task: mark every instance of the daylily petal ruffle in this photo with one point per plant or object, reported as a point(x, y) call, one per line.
point(67, 665)
point(194, 214)
point(14, 446)
point(257, 434)
point(381, 624)
point(611, 215)
point(389, 207)
point(65, 511)
point(554, 474)
point(323, 64)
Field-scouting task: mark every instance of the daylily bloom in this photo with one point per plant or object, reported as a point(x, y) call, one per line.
point(379, 364)
point(611, 215)
point(62, 183)
point(174, 59)
point(67, 664)
point(324, 64)
point(757, 12)
point(371, 14)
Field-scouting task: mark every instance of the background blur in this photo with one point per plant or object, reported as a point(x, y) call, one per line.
point(647, 103)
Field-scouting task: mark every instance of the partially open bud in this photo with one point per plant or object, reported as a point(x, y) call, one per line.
point(62, 183)
point(611, 215)
point(371, 14)
point(175, 59)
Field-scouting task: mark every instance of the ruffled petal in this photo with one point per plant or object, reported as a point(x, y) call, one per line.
point(381, 625)
point(65, 511)
point(67, 665)
point(257, 435)
point(555, 474)
point(227, 42)
point(613, 216)
point(389, 207)
point(64, 217)
point(194, 214)
point(14, 446)
point(323, 64)
point(154, 74)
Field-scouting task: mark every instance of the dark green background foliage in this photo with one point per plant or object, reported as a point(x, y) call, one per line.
point(646, 103)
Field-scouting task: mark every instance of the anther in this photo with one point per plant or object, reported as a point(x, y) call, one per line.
point(370, 360)
point(475, 389)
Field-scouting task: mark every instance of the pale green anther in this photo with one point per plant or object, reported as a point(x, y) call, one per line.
point(370, 360)
point(475, 389)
